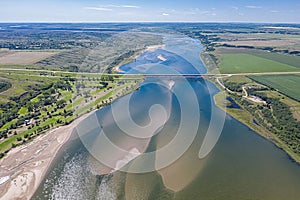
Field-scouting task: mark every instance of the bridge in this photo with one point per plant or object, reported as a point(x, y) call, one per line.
point(57, 73)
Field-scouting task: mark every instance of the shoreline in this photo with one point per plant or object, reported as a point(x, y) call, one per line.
point(24, 168)
point(246, 118)
point(258, 129)
point(21, 175)
point(151, 48)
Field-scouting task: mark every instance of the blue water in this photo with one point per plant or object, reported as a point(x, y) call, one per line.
point(183, 60)
point(233, 104)
point(242, 165)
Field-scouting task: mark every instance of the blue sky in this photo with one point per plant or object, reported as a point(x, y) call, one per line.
point(150, 10)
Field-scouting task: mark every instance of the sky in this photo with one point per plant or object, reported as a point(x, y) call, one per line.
point(273, 11)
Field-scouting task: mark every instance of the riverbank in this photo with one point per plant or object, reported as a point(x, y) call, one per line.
point(24, 167)
point(243, 116)
point(151, 48)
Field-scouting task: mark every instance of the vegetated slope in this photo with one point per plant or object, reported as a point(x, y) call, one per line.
point(4, 85)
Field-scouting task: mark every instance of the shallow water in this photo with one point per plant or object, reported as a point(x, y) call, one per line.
point(242, 165)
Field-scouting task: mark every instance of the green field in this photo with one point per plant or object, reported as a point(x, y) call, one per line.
point(246, 63)
point(282, 58)
point(285, 84)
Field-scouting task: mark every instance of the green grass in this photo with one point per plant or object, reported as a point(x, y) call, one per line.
point(23, 111)
point(246, 118)
point(8, 124)
point(246, 63)
point(36, 99)
point(285, 84)
point(240, 114)
point(282, 58)
point(7, 144)
point(20, 85)
point(238, 79)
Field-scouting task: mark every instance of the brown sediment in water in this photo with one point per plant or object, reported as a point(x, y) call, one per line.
point(183, 171)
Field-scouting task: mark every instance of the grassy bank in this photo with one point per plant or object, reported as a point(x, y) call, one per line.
point(55, 103)
point(254, 114)
point(249, 120)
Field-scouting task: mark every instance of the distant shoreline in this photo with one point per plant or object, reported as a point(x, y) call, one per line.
point(151, 48)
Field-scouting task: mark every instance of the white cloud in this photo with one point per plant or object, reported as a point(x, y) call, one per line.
point(274, 11)
point(165, 14)
point(204, 12)
point(98, 8)
point(253, 7)
point(110, 7)
point(129, 6)
point(118, 6)
point(235, 7)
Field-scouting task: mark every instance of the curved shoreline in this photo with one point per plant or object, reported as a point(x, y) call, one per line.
point(24, 168)
point(257, 128)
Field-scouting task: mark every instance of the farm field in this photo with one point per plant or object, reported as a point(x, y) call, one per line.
point(246, 63)
point(278, 57)
point(260, 40)
point(286, 84)
point(265, 43)
point(24, 57)
point(285, 59)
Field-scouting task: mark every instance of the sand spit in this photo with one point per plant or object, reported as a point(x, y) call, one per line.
point(155, 47)
point(161, 57)
point(151, 48)
point(23, 169)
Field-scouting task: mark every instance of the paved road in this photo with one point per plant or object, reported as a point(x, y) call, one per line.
point(149, 75)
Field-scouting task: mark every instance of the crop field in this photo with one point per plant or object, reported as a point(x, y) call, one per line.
point(277, 41)
point(282, 58)
point(285, 84)
point(265, 43)
point(24, 57)
point(246, 63)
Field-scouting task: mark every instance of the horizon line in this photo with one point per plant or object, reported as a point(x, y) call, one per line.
point(134, 22)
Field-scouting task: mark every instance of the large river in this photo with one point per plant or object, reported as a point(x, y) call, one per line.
point(241, 165)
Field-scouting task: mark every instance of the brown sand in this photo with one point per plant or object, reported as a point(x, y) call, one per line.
point(23, 169)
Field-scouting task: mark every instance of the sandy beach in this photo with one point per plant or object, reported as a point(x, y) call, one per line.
point(117, 69)
point(24, 167)
point(147, 49)
point(154, 47)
